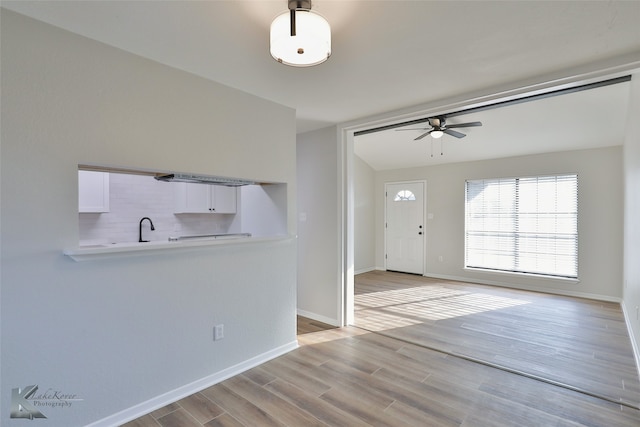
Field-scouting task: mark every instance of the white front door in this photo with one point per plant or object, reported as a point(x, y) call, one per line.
point(404, 232)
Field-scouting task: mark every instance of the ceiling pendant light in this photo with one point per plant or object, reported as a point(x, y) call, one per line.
point(300, 37)
point(437, 134)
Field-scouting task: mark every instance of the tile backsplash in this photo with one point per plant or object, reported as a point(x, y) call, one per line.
point(133, 197)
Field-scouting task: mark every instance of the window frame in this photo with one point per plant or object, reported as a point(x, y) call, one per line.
point(517, 233)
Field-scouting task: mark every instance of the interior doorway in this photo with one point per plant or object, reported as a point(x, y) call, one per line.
point(405, 227)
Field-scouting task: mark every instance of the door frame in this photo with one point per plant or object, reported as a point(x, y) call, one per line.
point(345, 132)
point(424, 219)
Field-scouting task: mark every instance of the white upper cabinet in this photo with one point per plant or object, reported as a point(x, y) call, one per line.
point(225, 199)
point(93, 192)
point(202, 198)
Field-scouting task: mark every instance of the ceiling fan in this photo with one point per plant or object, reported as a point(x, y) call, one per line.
point(439, 128)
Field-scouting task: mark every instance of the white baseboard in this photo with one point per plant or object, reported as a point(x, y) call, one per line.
point(318, 317)
point(365, 270)
point(564, 292)
point(181, 392)
point(632, 337)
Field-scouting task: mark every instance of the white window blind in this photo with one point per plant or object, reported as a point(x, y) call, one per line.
point(524, 225)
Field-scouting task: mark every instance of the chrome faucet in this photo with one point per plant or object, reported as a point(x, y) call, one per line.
point(140, 229)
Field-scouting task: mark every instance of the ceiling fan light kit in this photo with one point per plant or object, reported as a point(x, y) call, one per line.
point(300, 37)
point(437, 134)
point(438, 127)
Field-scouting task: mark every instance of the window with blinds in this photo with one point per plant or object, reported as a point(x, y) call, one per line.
point(523, 225)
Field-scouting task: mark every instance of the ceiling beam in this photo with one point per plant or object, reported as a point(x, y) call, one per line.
point(500, 104)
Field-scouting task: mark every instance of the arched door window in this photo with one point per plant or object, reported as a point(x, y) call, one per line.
point(404, 196)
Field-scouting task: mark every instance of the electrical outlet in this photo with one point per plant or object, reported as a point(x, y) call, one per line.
point(218, 332)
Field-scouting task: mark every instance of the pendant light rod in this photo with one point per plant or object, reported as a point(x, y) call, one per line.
point(297, 5)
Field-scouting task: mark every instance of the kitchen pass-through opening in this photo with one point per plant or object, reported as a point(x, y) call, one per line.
point(113, 204)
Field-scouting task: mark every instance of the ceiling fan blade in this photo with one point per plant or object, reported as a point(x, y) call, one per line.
point(423, 129)
point(465, 125)
point(454, 133)
point(423, 135)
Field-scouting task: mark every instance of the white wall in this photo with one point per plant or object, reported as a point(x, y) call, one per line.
point(120, 332)
point(262, 210)
point(318, 214)
point(631, 300)
point(599, 218)
point(364, 216)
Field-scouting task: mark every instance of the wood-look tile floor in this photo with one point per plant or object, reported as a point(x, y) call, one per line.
point(308, 326)
point(352, 377)
point(578, 342)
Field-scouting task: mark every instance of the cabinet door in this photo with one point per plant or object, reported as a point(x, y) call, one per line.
point(93, 192)
point(191, 198)
point(224, 199)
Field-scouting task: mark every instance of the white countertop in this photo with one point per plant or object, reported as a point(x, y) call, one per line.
point(119, 250)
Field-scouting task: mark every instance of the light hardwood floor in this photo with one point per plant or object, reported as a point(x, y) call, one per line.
point(307, 326)
point(576, 342)
point(353, 377)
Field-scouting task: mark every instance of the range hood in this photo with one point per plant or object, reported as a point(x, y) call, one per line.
point(203, 179)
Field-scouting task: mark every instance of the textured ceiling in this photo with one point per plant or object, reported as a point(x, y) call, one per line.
point(387, 55)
